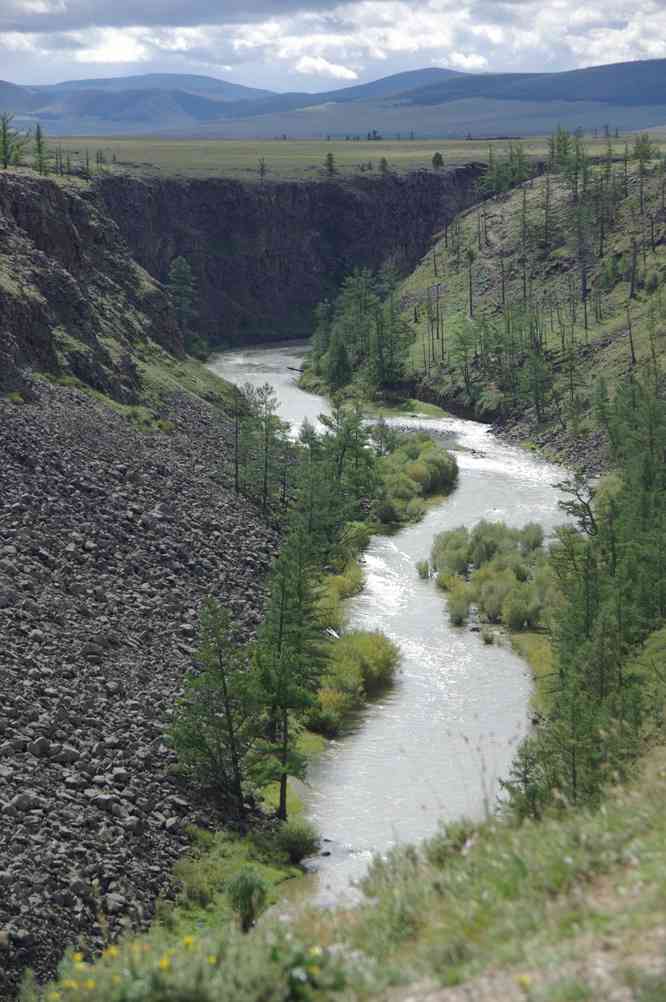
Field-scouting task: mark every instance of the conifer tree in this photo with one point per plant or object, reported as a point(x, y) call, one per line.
point(12, 142)
point(218, 722)
point(289, 659)
point(40, 155)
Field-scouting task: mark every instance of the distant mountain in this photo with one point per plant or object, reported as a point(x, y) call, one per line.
point(16, 99)
point(638, 83)
point(191, 83)
point(433, 102)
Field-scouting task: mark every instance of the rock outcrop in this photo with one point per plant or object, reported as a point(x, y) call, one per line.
point(72, 300)
point(264, 255)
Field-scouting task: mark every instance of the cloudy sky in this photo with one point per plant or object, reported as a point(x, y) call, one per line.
point(317, 44)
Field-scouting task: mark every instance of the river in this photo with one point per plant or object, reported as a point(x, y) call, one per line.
point(435, 747)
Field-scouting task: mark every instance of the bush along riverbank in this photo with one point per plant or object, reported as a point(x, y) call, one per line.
point(501, 579)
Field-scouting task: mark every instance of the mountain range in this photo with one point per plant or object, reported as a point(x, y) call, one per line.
point(432, 102)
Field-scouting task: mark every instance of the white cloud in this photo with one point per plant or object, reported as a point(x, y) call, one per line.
point(469, 61)
point(320, 67)
point(289, 44)
point(110, 45)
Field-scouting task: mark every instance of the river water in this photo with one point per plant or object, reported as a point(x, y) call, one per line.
point(435, 747)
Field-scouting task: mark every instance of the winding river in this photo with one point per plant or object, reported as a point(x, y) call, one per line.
point(436, 746)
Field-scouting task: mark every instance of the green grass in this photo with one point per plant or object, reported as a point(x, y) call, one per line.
point(285, 159)
point(542, 905)
point(310, 745)
point(537, 650)
point(204, 874)
point(403, 408)
point(162, 375)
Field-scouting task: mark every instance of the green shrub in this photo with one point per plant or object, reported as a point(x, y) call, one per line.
point(458, 604)
point(331, 709)
point(448, 842)
point(515, 608)
point(652, 281)
point(450, 551)
point(531, 537)
point(372, 655)
point(423, 569)
point(415, 510)
point(349, 583)
point(247, 894)
point(493, 595)
point(297, 838)
point(488, 637)
point(330, 611)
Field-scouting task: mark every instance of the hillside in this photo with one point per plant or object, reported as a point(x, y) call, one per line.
point(432, 102)
point(568, 280)
point(223, 90)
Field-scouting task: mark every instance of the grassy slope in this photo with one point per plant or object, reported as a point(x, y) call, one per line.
point(568, 909)
point(285, 160)
point(602, 350)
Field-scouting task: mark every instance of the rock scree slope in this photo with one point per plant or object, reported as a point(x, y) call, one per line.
point(109, 541)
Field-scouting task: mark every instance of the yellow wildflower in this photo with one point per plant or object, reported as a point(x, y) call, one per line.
point(54, 996)
point(315, 951)
point(165, 962)
point(69, 983)
point(112, 952)
point(188, 942)
point(90, 984)
point(212, 959)
point(524, 982)
point(115, 979)
point(77, 957)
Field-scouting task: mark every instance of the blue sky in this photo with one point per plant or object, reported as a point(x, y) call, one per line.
point(317, 45)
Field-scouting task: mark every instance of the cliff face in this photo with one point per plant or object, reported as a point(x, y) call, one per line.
point(81, 265)
point(72, 300)
point(265, 255)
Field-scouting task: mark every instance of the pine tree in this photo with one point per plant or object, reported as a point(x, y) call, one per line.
point(218, 721)
point(289, 659)
point(40, 155)
point(339, 370)
point(12, 142)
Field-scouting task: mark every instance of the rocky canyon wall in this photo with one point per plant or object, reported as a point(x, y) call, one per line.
point(265, 255)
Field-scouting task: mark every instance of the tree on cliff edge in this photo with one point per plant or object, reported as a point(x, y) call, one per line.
point(40, 153)
point(12, 142)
